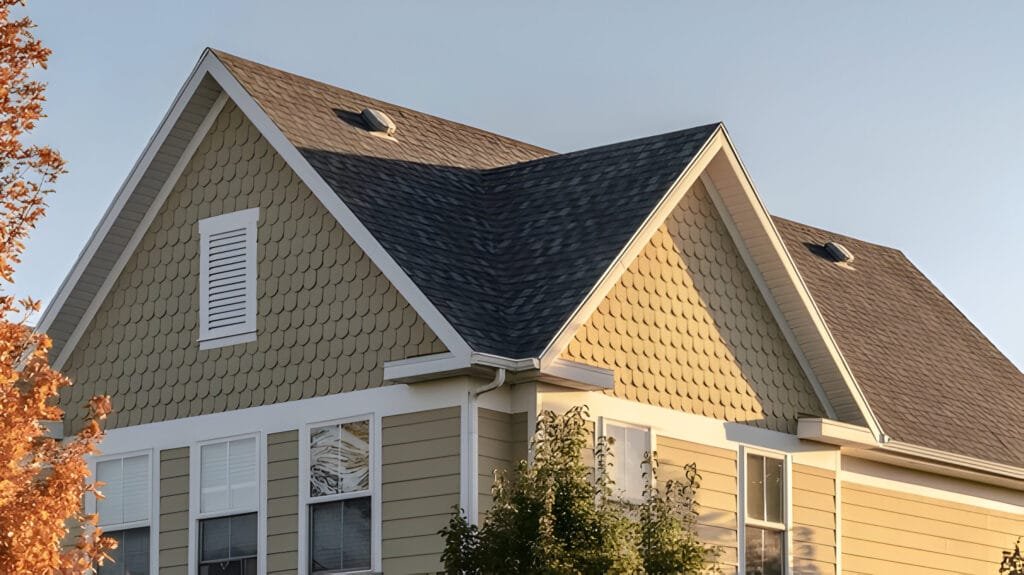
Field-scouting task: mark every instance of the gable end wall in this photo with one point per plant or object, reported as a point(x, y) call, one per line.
point(327, 320)
point(687, 328)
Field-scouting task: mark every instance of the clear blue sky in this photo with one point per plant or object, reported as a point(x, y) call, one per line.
point(899, 123)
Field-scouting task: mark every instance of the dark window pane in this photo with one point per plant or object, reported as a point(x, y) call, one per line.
point(132, 554)
point(227, 545)
point(340, 536)
point(326, 521)
point(214, 539)
point(243, 535)
point(755, 487)
point(774, 483)
point(764, 551)
point(356, 549)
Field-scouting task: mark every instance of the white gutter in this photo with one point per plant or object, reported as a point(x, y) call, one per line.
point(473, 467)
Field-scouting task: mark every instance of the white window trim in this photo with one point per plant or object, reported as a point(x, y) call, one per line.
point(374, 492)
point(154, 502)
point(249, 219)
point(601, 429)
point(787, 508)
point(194, 491)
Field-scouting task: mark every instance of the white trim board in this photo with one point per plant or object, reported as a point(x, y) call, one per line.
point(699, 429)
point(287, 416)
point(210, 65)
point(857, 471)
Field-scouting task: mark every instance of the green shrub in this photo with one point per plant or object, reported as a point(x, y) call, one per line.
point(556, 516)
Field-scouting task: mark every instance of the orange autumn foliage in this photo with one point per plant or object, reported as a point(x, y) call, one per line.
point(42, 480)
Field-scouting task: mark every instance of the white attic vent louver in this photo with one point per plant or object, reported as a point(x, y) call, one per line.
point(378, 121)
point(838, 252)
point(227, 279)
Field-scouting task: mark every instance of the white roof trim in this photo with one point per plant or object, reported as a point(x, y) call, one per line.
point(859, 440)
point(210, 65)
point(718, 166)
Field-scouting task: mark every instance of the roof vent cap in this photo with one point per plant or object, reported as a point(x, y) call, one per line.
point(838, 252)
point(378, 121)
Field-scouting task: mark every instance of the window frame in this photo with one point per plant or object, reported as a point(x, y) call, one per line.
point(374, 491)
point(153, 522)
point(195, 498)
point(245, 332)
point(602, 430)
point(786, 526)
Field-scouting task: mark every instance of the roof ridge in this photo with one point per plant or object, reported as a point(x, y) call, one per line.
point(223, 55)
point(604, 147)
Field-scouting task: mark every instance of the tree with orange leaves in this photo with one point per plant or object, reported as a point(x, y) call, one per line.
point(42, 479)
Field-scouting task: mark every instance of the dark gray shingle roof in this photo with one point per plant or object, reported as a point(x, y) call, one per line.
point(505, 238)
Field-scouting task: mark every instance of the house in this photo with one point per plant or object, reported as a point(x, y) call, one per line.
point(324, 320)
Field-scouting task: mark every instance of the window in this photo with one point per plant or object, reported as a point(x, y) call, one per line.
point(340, 498)
point(228, 504)
point(227, 279)
point(124, 513)
point(629, 447)
point(765, 529)
point(132, 554)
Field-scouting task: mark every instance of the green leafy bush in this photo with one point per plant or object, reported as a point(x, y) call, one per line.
point(557, 516)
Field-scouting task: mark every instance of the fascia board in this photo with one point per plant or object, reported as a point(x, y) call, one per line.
point(170, 118)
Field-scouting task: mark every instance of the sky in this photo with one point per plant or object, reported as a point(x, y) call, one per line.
point(897, 123)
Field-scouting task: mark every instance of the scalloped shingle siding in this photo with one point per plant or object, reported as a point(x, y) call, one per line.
point(687, 328)
point(328, 319)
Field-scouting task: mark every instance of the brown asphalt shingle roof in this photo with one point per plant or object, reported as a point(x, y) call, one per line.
point(506, 239)
point(930, 376)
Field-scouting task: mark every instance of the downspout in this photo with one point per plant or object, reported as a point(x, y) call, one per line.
point(472, 502)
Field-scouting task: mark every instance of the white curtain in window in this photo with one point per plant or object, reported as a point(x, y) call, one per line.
point(228, 475)
point(125, 490)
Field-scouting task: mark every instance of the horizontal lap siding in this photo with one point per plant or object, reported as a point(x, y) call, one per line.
point(717, 495)
point(283, 503)
point(888, 532)
point(420, 487)
point(503, 444)
point(173, 544)
point(814, 520)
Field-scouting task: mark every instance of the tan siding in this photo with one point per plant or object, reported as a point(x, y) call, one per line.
point(283, 503)
point(503, 444)
point(889, 532)
point(173, 544)
point(687, 328)
point(814, 520)
point(716, 496)
point(327, 317)
point(420, 487)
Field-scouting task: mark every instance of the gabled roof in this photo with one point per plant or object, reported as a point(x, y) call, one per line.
point(500, 246)
point(503, 237)
point(931, 376)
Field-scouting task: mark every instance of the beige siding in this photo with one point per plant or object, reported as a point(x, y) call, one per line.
point(327, 317)
point(503, 444)
point(283, 503)
point(687, 328)
point(420, 487)
point(892, 532)
point(814, 520)
point(173, 544)
point(717, 495)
